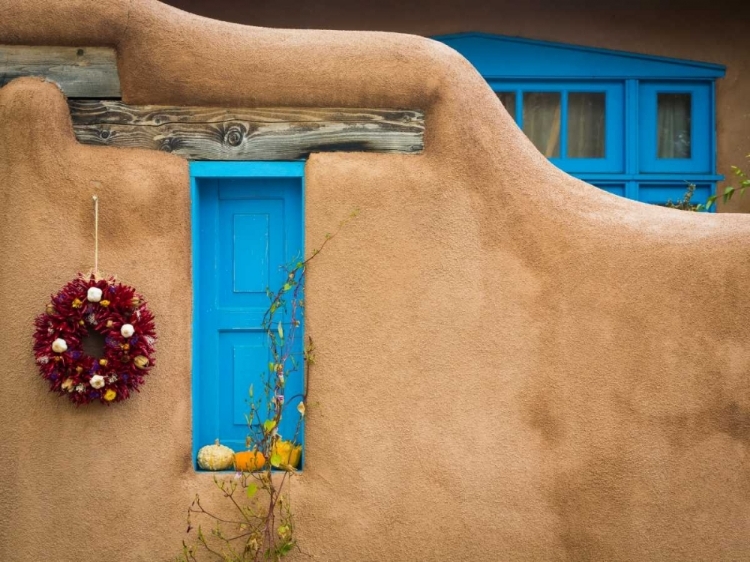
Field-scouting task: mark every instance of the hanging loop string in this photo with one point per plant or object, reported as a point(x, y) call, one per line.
point(96, 235)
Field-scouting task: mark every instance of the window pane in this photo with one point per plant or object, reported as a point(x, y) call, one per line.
point(673, 116)
point(508, 99)
point(541, 121)
point(586, 124)
point(614, 188)
point(677, 193)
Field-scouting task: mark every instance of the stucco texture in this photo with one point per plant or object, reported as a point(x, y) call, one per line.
point(512, 364)
point(691, 29)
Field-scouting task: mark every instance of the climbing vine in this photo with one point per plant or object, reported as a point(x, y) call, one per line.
point(260, 525)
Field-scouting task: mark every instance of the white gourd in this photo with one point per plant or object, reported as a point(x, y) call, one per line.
point(215, 457)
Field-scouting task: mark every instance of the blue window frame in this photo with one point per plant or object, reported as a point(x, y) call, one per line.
point(638, 126)
point(611, 157)
point(692, 133)
point(247, 224)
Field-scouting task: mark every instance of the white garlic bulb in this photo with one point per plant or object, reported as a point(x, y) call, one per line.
point(127, 330)
point(59, 346)
point(94, 294)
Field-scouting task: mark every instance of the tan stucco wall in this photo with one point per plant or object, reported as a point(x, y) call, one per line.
point(688, 29)
point(512, 365)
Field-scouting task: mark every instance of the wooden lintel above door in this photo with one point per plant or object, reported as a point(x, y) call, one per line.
point(88, 77)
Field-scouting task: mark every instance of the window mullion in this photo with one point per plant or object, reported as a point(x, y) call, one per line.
point(631, 126)
point(564, 124)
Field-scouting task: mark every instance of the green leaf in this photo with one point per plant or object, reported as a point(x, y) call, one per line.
point(251, 489)
point(727, 195)
point(287, 286)
point(251, 391)
point(272, 367)
point(280, 330)
point(268, 425)
point(275, 460)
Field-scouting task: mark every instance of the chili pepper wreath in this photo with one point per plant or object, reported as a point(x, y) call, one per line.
point(114, 310)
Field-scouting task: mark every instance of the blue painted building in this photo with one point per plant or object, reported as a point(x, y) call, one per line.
point(642, 127)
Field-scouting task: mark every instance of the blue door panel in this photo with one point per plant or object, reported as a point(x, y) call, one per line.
point(251, 261)
point(251, 251)
point(248, 229)
point(242, 356)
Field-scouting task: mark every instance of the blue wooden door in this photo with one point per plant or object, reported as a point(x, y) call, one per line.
point(249, 228)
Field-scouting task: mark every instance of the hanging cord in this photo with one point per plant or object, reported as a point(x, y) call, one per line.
point(96, 236)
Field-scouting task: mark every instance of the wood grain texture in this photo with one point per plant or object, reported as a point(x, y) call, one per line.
point(81, 72)
point(209, 133)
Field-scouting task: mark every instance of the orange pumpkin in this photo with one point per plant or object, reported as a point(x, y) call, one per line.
point(248, 461)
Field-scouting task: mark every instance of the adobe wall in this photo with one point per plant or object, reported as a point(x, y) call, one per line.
point(512, 365)
point(690, 30)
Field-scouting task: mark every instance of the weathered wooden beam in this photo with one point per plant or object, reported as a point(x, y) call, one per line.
point(203, 133)
point(210, 133)
point(81, 72)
